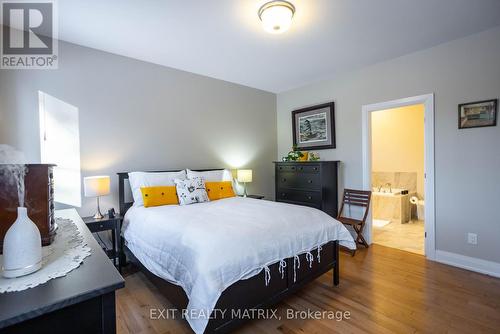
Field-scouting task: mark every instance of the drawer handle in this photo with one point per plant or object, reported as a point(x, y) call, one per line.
point(281, 168)
point(315, 168)
point(284, 180)
point(101, 226)
point(309, 181)
point(309, 197)
point(301, 168)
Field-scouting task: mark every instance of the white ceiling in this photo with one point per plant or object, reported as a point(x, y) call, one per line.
point(223, 38)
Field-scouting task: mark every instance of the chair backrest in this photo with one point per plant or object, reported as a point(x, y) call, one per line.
point(359, 198)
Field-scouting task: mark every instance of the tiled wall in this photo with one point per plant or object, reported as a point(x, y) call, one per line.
point(402, 180)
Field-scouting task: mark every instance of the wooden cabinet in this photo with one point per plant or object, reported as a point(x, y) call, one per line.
point(39, 199)
point(311, 184)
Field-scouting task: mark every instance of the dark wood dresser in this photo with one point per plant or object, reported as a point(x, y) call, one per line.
point(311, 183)
point(39, 199)
point(81, 302)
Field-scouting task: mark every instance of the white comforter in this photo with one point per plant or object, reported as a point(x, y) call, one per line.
point(204, 248)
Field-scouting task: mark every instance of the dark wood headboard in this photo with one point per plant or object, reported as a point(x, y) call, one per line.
point(123, 182)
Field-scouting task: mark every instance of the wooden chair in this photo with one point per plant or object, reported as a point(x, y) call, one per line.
point(359, 198)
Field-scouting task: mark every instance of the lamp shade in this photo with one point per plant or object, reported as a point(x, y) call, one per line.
point(96, 186)
point(244, 175)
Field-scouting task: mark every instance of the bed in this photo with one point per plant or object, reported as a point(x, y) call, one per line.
point(217, 260)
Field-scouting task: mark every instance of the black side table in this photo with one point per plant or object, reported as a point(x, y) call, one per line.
point(108, 224)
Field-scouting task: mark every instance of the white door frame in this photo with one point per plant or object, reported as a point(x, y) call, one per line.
point(428, 102)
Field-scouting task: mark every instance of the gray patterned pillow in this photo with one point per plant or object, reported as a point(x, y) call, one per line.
point(191, 191)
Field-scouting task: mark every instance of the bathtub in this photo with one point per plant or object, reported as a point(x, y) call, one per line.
point(391, 204)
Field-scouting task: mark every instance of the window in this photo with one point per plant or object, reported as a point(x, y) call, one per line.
point(60, 145)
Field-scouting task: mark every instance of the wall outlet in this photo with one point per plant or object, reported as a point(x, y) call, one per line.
point(472, 238)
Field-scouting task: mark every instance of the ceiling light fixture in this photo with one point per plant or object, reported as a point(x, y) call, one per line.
point(276, 16)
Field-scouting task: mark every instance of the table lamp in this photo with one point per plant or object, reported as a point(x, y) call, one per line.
point(244, 175)
point(96, 186)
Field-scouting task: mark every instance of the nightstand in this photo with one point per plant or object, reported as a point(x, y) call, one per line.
point(256, 196)
point(108, 224)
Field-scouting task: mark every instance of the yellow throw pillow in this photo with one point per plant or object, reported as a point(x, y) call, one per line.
point(156, 196)
point(219, 190)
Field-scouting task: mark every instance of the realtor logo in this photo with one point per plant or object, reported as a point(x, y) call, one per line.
point(29, 39)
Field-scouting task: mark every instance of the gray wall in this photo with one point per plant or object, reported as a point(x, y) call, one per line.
point(467, 161)
point(135, 115)
point(3, 122)
point(140, 116)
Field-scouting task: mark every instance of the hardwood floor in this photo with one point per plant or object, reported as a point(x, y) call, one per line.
point(384, 289)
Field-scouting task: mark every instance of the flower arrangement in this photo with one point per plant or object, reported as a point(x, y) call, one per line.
point(293, 155)
point(296, 155)
point(313, 156)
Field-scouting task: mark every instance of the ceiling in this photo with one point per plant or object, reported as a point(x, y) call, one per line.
point(224, 39)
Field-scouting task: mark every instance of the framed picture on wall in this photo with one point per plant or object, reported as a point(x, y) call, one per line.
point(314, 127)
point(477, 114)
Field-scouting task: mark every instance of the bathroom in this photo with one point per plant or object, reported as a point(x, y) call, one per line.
point(398, 202)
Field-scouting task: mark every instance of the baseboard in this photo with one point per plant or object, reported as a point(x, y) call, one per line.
point(470, 263)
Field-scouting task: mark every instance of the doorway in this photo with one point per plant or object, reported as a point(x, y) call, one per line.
point(398, 166)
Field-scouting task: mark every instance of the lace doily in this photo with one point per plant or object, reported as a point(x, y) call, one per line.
point(66, 253)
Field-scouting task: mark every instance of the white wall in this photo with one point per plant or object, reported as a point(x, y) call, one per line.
point(140, 116)
point(467, 161)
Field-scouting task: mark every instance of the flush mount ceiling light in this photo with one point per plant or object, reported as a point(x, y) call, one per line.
point(276, 16)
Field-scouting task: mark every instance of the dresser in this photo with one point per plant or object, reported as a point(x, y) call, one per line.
point(311, 183)
point(83, 301)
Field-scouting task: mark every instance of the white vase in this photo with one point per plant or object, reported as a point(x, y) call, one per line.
point(22, 247)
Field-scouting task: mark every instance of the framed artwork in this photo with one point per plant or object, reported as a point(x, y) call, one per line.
point(314, 127)
point(477, 114)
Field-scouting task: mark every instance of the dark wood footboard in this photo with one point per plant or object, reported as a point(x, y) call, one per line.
point(253, 293)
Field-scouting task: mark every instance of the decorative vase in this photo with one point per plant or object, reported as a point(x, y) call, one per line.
point(22, 247)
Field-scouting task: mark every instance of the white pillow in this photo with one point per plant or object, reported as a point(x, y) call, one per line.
point(145, 179)
point(211, 175)
point(191, 191)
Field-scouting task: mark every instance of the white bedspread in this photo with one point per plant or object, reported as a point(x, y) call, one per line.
point(206, 247)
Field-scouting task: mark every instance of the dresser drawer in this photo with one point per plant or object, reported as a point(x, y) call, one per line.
point(306, 181)
point(299, 167)
point(101, 226)
point(308, 169)
point(286, 168)
point(308, 198)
